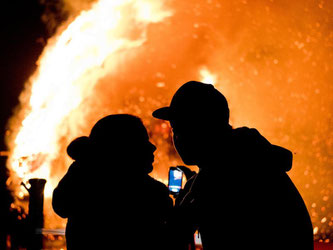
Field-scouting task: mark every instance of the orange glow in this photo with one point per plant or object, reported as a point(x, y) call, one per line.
point(271, 59)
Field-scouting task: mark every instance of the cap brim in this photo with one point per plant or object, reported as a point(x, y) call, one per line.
point(162, 113)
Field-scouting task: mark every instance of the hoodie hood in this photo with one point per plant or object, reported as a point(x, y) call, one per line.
point(259, 152)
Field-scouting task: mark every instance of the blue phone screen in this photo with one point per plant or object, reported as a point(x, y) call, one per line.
point(175, 180)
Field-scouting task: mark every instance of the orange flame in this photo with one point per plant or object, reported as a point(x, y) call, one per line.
point(89, 48)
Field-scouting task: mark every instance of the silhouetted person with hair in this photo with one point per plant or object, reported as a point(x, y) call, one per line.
point(242, 197)
point(107, 195)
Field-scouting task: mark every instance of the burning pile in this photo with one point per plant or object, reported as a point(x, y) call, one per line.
point(270, 59)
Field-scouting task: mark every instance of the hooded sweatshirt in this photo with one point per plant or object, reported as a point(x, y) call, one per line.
point(244, 196)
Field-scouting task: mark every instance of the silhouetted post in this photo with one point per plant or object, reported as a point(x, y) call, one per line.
point(36, 217)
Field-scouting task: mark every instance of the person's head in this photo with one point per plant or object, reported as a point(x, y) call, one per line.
point(79, 148)
point(122, 140)
point(197, 113)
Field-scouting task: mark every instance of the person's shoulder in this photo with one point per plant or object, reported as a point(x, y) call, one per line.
point(158, 191)
point(249, 135)
point(246, 131)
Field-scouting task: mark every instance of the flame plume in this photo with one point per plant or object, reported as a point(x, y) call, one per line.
point(72, 63)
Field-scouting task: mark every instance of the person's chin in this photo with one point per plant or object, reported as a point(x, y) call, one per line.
point(149, 168)
point(189, 161)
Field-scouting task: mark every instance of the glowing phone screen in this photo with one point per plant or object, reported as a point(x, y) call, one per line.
point(175, 179)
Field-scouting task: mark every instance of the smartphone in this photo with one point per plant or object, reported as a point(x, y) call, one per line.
point(175, 180)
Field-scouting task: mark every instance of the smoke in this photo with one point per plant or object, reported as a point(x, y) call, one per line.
point(59, 12)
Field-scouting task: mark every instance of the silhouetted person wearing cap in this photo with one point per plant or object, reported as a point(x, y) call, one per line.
point(107, 195)
point(242, 197)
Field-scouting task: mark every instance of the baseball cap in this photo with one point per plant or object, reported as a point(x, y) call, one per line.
point(195, 99)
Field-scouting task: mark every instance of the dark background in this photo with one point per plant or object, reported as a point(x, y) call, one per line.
point(26, 26)
point(21, 44)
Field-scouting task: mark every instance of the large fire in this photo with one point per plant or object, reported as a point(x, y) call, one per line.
point(272, 60)
point(90, 47)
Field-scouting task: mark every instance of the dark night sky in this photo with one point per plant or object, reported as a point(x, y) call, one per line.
point(21, 44)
